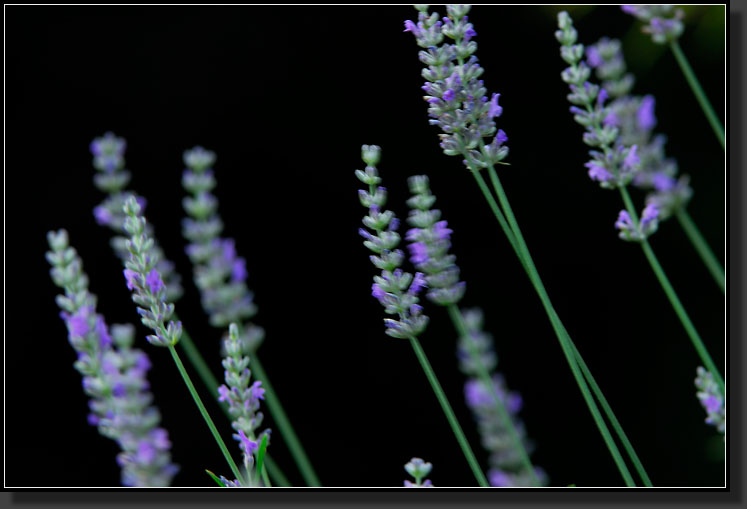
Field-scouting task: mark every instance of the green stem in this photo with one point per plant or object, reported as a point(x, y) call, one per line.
point(679, 309)
point(564, 338)
point(611, 416)
point(701, 246)
point(692, 80)
point(204, 413)
point(284, 425)
point(461, 327)
point(211, 383)
point(446, 407)
point(584, 368)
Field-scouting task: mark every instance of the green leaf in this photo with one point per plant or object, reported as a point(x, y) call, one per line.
point(215, 478)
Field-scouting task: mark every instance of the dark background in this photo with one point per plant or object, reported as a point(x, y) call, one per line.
point(286, 96)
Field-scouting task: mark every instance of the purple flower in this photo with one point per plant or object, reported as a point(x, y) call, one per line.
point(238, 270)
point(597, 172)
point(257, 390)
point(631, 159)
point(249, 446)
point(495, 110)
point(593, 58)
point(102, 215)
point(154, 282)
point(449, 95)
point(418, 253)
point(418, 283)
point(624, 222)
point(78, 323)
point(650, 214)
point(131, 278)
point(645, 116)
point(663, 182)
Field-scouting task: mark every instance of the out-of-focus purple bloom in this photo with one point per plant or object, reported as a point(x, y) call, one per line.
point(430, 243)
point(646, 118)
point(219, 273)
point(664, 21)
point(710, 397)
point(114, 375)
point(476, 354)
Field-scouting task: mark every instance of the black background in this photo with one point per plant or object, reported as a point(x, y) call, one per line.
point(286, 96)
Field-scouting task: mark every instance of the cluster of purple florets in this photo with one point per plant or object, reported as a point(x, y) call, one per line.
point(114, 375)
point(457, 99)
point(220, 274)
point(395, 289)
point(613, 164)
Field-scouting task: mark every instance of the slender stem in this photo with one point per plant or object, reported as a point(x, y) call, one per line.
point(284, 425)
point(584, 368)
point(204, 413)
point(692, 80)
point(461, 327)
point(211, 383)
point(446, 407)
point(679, 309)
point(701, 246)
point(564, 338)
point(611, 416)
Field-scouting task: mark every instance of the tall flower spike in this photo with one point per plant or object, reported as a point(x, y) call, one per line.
point(634, 115)
point(710, 397)
point(615, 164)
point(418, 469)
point(430, 243)
point(114, 375)
point(506, 465)
point(219, 273)
point(112, 179)
point(144, 280)
point(242, 399)
point(663, 22)
point(458, 101)
point(395, 289)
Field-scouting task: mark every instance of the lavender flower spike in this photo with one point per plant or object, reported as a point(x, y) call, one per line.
point(114, 375)
point(219, 273)
point(710, 397)
point(395, 289)
point(112, 179)
point(144, 280)
point(635, 118)
point(242, 399)
point(429, 245)
point(477, 349)
point(458, 101)
point(664, 22)
point(418, 469)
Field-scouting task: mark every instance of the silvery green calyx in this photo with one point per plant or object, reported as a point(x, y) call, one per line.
point(477, 348)
point(418, 469)
point(663, 22)
point(219, 273)
point(429, 245)
point(112, 179)
point(709, 395)
point(635, 118)
point(242, 399)
point(114, 375)
point(395, 289)
point(458, 101)
point(144, 280)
